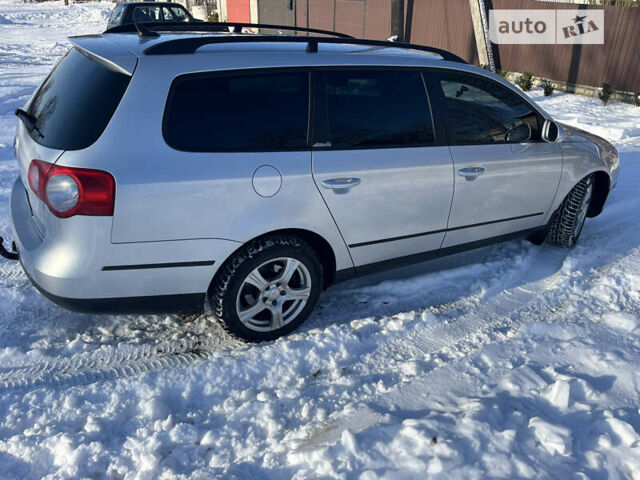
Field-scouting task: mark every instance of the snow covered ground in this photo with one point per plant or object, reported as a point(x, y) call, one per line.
point(514, 361)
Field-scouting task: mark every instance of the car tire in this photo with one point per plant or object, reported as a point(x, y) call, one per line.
point(267, 288)
point(567, 222)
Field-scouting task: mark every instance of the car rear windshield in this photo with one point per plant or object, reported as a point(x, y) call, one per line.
point(75, 103)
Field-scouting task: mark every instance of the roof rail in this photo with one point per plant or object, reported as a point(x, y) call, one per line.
point(215, 27)
point(178, 46)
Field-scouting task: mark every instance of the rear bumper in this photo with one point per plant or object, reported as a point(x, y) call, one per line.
point(192, 303)
point(75, 265)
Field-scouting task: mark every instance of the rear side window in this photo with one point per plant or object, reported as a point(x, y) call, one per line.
point(373, 108)
point(75, 103)
point(238, 112)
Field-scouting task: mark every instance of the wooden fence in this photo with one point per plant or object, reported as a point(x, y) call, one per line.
point(447, 24)
point(438, 23)
point(615, 62)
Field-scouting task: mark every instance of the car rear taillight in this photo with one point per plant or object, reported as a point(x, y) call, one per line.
point(71, 191)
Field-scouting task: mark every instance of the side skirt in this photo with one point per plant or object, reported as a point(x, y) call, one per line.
point(361, 270)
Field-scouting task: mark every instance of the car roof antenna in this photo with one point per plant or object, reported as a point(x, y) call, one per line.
point(145, 32)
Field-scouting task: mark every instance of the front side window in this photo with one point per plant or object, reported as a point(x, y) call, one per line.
point(238, 112)
point(482, 112)
point(375, 109)
point(147, 14)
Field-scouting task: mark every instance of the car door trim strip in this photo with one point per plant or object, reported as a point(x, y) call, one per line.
point(158, 265)
point(444, 230)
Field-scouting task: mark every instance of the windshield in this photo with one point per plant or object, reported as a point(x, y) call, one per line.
point(75, 103)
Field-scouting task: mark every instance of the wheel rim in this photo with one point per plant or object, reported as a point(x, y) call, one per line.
point(584, 208)
point(273, 294)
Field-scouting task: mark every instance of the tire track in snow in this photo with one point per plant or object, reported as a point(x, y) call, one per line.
point(82, 369)
point(491, 318)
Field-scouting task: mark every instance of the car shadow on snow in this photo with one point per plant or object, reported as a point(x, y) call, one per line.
point(448, 286)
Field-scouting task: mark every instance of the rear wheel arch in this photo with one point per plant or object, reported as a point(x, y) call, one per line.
point(319, 244)
point(322, 248)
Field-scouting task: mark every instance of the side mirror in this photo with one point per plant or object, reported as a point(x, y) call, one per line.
point(552, 132)
point(519, 134)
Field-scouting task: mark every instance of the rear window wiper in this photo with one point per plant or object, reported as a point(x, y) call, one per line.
point(29, 121)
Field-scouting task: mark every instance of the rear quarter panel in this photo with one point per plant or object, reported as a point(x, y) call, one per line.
point(164, 194)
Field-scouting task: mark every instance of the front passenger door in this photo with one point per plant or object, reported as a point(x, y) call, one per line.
point(506, 176)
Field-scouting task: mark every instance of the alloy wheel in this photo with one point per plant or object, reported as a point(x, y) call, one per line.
point(273, 294)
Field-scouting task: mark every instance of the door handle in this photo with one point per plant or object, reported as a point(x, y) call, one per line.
point(341, 185)
point(471, 173)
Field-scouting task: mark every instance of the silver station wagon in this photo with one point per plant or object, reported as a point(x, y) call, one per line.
point(166, 170)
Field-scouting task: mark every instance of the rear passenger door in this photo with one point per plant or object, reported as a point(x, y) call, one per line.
point(506, 176)
point(382, 171)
